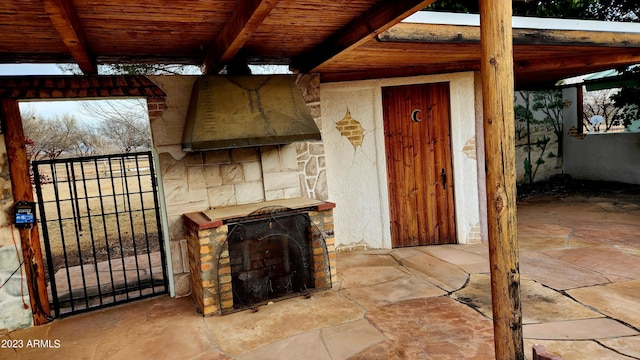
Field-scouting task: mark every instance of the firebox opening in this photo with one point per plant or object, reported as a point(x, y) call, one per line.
point(275, 254)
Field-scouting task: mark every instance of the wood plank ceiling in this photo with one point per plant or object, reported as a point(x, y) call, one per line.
point(540, 56)
point(341, 40)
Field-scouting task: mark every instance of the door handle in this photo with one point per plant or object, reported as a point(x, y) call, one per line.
point(443, 174)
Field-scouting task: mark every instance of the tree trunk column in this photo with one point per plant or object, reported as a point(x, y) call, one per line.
point(498, 94)
point(21, 189)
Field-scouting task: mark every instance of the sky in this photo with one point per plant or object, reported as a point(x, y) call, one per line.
point(46, 109)
point(54, 108)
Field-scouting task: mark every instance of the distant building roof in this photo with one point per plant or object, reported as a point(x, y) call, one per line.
point(609, 79)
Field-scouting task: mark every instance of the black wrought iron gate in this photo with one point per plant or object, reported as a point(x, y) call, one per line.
point(101, 230)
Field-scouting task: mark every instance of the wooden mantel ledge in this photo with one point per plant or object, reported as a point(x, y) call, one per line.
point(218, 216)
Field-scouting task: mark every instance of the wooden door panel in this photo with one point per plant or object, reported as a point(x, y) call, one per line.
point(445, 202)
point(417, 151)
point(394, 165)
point(422, 150)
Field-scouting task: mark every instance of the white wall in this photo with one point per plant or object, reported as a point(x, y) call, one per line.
point(602, 157)
point(14, 293)
point(357, 174)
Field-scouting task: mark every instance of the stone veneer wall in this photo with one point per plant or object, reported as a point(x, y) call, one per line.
point(210, 265)
point(198, 181)
point(311, 155)
point(14, 294)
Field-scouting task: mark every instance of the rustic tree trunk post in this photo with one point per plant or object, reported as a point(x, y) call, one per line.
point(498, 92)
point(21, 188)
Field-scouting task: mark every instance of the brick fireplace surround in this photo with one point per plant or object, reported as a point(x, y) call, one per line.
point(209, 261)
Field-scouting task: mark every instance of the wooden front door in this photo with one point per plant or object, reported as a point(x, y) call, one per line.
point(418, 151)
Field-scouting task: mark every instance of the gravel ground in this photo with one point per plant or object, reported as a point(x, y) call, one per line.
point(564, 185)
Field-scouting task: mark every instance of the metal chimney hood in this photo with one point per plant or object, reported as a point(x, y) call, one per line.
point(242, 111)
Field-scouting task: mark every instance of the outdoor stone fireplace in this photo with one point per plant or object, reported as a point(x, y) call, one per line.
point(246, 255)
point(194, 181)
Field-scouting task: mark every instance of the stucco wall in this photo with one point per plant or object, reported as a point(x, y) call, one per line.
point(356, 168)
point(13, 315)
point(603, 157)
point(546, 161)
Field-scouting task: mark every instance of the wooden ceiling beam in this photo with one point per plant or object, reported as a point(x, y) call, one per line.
point(593, 62)
point(377, 19)
point(65, 19)
point(459, 34)
point(244, 20)
point(529, 73)
point(400, 71)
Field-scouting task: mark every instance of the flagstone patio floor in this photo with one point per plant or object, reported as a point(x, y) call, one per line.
point(580, 291)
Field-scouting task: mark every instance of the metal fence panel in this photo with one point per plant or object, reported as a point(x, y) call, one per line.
point(101, 230)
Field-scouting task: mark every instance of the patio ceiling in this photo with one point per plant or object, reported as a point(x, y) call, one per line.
point(540, 56)
point(340, 40)
point(198, 32)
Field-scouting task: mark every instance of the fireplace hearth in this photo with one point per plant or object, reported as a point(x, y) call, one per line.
point(270, 257)
point(245, 256)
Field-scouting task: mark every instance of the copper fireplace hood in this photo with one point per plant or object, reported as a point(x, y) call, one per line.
point(242, 111)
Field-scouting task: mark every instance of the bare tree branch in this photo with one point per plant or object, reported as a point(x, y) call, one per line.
point(123, 123)
point(599, 102)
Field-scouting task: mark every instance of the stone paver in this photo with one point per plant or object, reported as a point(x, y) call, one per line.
point(620, 300)
point(306, 346)
point(441, 273)
point(158, 328)
point(586, 329)
point(371, 275)
point(607, 261)
point(381, 351)
point(544, 230)
point(405, 253)
point(625, 234)
point(344, 341)
point(467, 261)
point(635, 251)
point(110, 275)
point(454, 331)
point(481, 249)
point(245, 331)
point(580, 287)
point(544, 269)
point(576, 350)
point(405, 288)
point(617, 205)
point(625, 345)
point(361, 259)
point(539, 304)
point(538, 243)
